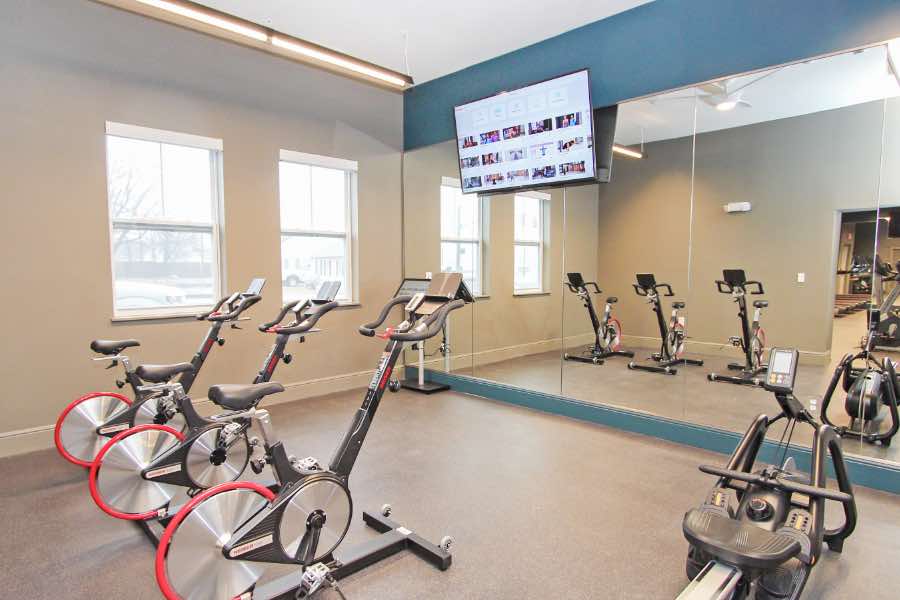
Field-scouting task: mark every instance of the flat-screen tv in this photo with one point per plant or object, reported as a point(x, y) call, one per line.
point(535, 136)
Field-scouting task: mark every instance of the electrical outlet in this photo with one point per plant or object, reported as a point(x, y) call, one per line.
point(801, 277)
point(428, 275)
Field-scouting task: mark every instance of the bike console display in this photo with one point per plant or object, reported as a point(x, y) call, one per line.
point(734, 277)
point(255, 287)
point(782, 371)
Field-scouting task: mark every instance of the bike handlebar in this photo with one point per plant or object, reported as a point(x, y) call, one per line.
point(759, 287)
point(234, 311)
point(284, 310)
point(368, 329)
point(429, 326)
point(316, 312)
point(727, 288)
point(779, 483)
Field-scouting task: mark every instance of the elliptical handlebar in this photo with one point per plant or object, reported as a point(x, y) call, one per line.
point(778, 482)
point(428, 327)
point(368, 329)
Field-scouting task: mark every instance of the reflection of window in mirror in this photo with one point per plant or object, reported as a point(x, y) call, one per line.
point(462, 238)
point(531, 221)
point(318, 201)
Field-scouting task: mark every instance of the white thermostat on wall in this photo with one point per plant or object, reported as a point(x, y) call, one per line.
point(737, 207)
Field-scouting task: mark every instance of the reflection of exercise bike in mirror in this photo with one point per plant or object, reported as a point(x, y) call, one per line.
point(752, 341)
point(872, 392)
point(672, 334)
point(220, 543)
point(88, 423)
point(888, 332)
point(138, 472)
point(607, 330)
point(761, 530)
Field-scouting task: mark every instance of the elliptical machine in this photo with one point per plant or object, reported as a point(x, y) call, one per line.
point(752, 535)
point(872, 392)
point(607, 331)
point(87, 423)
point(671, 334)
point(137, 473)
point(752, 341)
point(220, 543)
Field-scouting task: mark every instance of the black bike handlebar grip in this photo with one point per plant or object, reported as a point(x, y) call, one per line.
point(218, 305)
point(811, 490)
point(308, 323)
point(245, 303)
point(597, 289)
point(284, 310)
point(759, 287)
point(368, 329)
point(723, 286)
point(639, 290)
point(430, 326)
point(571, 287)
point(731, 474)
point(667, 286)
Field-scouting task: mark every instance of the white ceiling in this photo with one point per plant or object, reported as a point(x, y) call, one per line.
point(443, 36)
point(804, 88)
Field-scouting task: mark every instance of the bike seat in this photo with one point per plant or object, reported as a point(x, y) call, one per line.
point(678, 305)
point(760, 303)
point(112, 347)
point(612, 300)
point(162, 373)
point(736, 542)
point(242, 396)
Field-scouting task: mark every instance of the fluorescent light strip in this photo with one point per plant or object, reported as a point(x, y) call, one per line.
point(334, 59)
point(210, 19)
point(627, 151)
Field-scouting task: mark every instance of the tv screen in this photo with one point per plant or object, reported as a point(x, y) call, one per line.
point(538, 135)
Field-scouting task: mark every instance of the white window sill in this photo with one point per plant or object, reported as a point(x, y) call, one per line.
point(531, 293)
point(160, 316)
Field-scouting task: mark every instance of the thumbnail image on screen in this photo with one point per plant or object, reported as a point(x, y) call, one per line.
point(541, 133)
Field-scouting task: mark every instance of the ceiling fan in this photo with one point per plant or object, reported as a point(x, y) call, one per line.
point(724, 95)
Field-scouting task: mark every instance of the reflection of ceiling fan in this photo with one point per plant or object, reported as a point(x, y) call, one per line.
point(722, 95)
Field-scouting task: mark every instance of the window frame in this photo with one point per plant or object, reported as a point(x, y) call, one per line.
point(541, 243)
point(215, 227)
point(481, 210)
point(350, 235)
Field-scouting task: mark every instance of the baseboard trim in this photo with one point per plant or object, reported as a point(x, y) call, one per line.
point(872, 473)
point(32, 439)
point(807, 357)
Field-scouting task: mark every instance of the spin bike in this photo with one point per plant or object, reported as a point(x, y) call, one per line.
point(220, 543)
point(671, 349)
point(752, 535)
point(753, 337)
point(872, 391)
point(137, 473)
point(607, 331)
point(86, 424)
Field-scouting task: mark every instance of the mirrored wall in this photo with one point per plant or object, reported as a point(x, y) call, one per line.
point(767, 196)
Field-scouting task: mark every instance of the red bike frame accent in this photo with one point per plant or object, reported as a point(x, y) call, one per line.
point(57, 431)
point(163, 547)
point(95, 468)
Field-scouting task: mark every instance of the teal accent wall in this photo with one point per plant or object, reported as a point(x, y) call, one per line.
point(658, 46)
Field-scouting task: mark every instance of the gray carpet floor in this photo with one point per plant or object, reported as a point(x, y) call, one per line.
point(540, 507)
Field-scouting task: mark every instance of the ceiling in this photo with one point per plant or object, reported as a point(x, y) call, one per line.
point(804, 88)
point(443, 37)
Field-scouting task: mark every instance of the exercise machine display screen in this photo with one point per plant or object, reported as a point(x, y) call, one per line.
point(255, 287)
point(538, 135)
point(782, 370)
point(412, 286)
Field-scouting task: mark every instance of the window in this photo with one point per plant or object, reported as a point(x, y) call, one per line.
point(462, 247)
point(531, 217)
point(164, 192)
point(318, 206)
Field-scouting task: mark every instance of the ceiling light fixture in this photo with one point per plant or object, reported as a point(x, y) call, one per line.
point(627, 151)
point(726, 105)
point(332, 58)
point(195, 16)
point(209, 18)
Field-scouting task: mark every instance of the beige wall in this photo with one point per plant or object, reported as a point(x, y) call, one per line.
point(68, 67)
point(505, 325)
point(797, 173)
